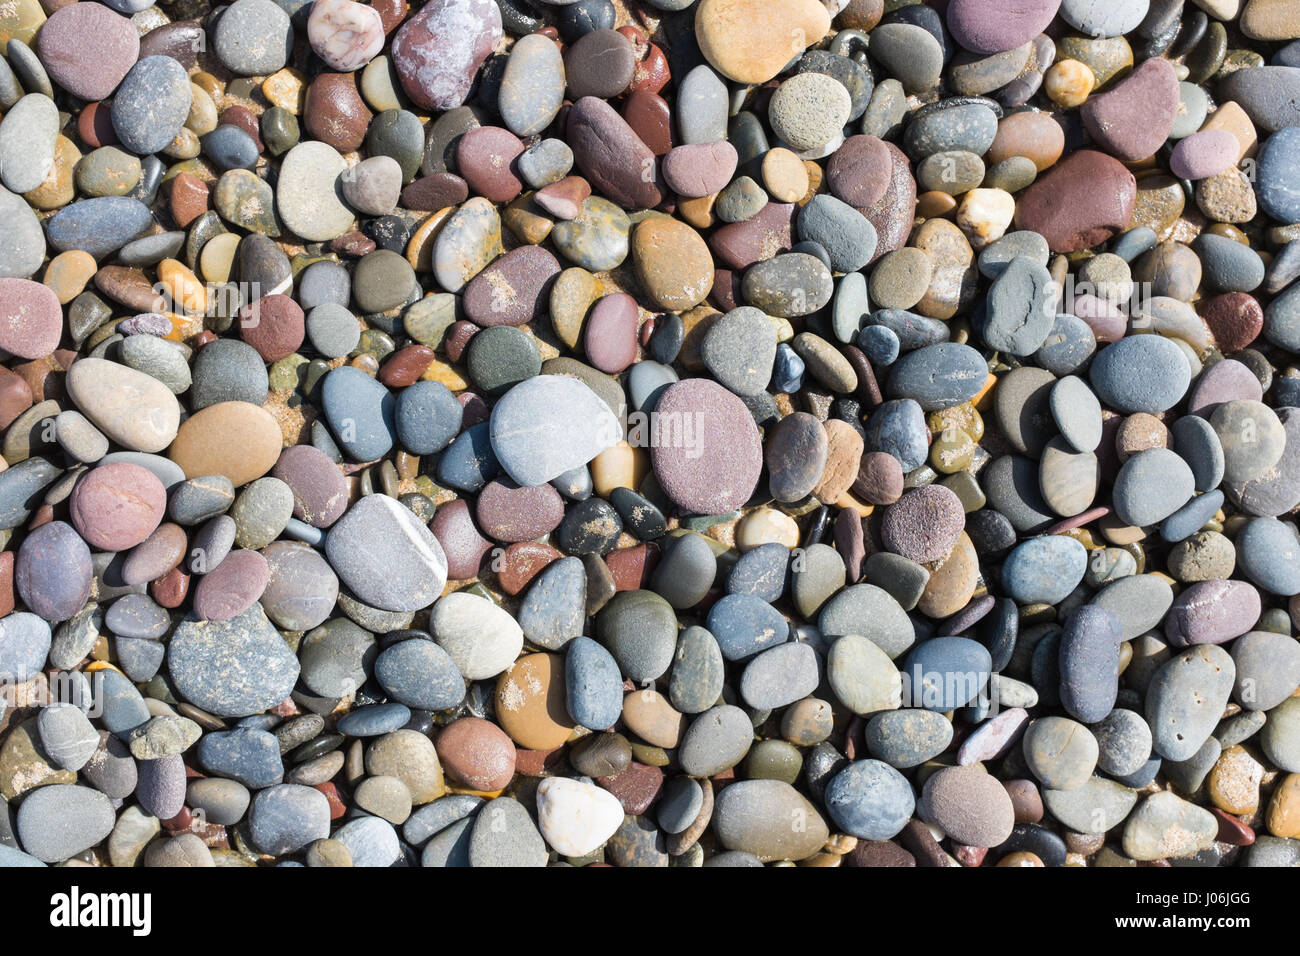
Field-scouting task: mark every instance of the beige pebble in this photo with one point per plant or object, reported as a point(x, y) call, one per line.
point(1069, 82)
point(766, 525)
point(985, 214)
point(784, 175)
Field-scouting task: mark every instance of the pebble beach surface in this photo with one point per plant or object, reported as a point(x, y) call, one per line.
point(650, 433)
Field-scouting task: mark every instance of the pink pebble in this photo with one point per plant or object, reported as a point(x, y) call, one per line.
point(1107, 321)
point(31, 319)
point(610, 337)
point(1204, 154)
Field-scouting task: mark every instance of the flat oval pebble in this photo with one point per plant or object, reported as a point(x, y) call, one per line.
point(745, 816)
point(1185, 699)
point(969, 805)
point(378, 532)
point(1114, 374)
point(1151, 486)
point(1044, 569)
point(232, 668)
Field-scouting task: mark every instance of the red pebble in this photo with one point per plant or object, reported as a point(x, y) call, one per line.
point(1231, 830)
point(354, 245)
point(636, 787)
point(405, 366)
point(337, 807)
point(170, 589)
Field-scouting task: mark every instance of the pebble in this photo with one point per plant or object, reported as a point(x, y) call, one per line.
point(576, 818)
point(745, 816)
point(532, 428)
point(939, 376)
point(1266, 667)
point(1096, 807)
point(255, 40)
point(703, 415)
point(1151, 486)
point(1020, 309)
point(59, 821)
point(52, 571)
point(417, 673)
point(152, 102)
point(306, 197)
point(287, 817)
point(739, 349)
point(1044, 569)
point(116, 506)
point(750, 42)
point(1060, 752)
point(924, 524)
point(907, 738)
point(344, 36)
point(969, 805)
point(1135, 117)
point(67, 736)
point(504, 835)
point(809, 110)
point(1185, 699)
point(1252, 438)
point(849, 238)
point(980, 26)
point(779, 676)
point(715, 741)
point(945, 672)
point(1165, 826)
point(910, 53)
point(1089, 660)
point(87, 51)
point(1114, 374)
point(27, 141)
point(1095, 193)
point(870, 800)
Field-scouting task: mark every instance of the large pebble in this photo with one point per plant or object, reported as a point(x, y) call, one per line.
point(386, 556)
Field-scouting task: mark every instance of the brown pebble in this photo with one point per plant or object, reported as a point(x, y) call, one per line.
point(477, 753)
point(274, 325)
point(1025, 800)
point(335, 113)
point(171, 589)
point(405, 366)
point(636, 787)
point(843, 455)
point(530, 702)
point(485, 157)
point(95, 126)
point(880, 478)
point(116, 506)
point(521, 562)
point(435, 191)
point(510, 513)
point(1235, 320)
point(15, 397)
point(651, 119)
point(188, 199)
point(631, 568)
point(320, 493)
point(1139, 432)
